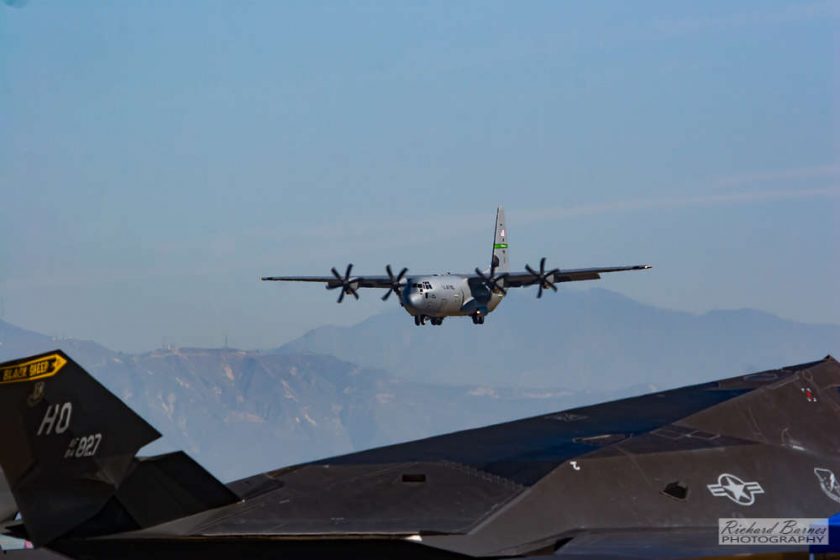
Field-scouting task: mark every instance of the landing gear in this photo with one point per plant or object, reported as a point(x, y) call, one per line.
point(421, 320)
point(478, 319)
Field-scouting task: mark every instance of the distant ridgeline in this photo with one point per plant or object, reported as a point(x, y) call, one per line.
point(594, 339)
point(309, 399)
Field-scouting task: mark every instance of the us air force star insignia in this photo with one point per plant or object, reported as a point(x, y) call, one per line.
point(828, 483)
point(740, 492)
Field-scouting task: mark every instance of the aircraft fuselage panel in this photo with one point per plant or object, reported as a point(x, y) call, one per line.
point(447, 295)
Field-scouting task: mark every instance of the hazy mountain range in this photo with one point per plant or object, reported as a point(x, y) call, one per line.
point(590, 339)
point(384, 380)
point(240, 412)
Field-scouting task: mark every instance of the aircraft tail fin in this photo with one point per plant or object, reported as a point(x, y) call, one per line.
point(500, 262)
point(68, 455)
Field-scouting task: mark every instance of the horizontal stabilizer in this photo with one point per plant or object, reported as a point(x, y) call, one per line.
point(159, 489)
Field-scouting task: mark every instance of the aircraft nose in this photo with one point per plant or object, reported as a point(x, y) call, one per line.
point(415, 299)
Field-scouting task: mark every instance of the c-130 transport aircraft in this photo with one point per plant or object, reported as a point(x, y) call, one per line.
point(436, 296)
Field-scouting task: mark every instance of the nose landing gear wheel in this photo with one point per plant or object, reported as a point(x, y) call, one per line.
point(478, 319)
point(437, 320)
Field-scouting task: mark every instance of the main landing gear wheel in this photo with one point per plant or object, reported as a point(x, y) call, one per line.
point(478, 319)
point(437, 320)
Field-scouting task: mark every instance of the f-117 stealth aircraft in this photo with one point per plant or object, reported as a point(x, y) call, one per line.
point(436, 296)
point(648, 475)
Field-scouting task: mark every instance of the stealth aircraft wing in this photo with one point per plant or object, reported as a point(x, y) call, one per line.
point(646, 476)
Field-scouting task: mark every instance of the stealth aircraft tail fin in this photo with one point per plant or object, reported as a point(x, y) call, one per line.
point(68, 454)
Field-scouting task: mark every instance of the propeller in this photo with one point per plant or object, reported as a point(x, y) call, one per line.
point(493, 281)
point(542, 277)
point(396, 284)
point(346, 283)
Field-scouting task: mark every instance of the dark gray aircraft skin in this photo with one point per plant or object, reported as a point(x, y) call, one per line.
point(646, 476)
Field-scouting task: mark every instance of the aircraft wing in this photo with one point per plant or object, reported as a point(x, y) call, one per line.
point(520, 279)
point(381, 281)
point(630, 479)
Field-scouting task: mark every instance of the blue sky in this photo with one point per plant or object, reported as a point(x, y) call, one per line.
point(156, 158)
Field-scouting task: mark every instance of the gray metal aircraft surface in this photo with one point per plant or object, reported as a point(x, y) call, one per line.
point(642, 477)
point(436, 296)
